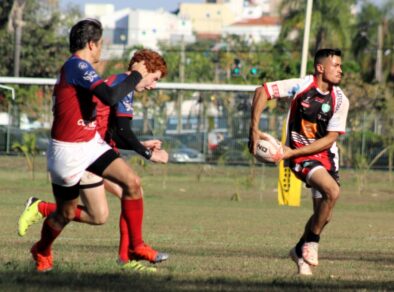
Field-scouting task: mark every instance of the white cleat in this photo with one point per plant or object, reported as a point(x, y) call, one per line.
point(303, 268)
point(310, 253)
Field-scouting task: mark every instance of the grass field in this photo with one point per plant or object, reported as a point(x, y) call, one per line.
point(215, 243)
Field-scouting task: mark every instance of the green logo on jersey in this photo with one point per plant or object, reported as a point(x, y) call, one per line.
point(325, 107)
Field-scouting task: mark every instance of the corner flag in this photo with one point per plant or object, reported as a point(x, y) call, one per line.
point(289, 186)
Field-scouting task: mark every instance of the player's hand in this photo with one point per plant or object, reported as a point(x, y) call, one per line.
point(152, 144)
point(159, 156)
point(140, 68)
point(287, 152)
point(254, 137)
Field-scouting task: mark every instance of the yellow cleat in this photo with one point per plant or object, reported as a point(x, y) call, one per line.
point(135, 266)
point(29, 216)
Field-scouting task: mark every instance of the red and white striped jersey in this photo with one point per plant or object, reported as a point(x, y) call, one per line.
point(312, 115)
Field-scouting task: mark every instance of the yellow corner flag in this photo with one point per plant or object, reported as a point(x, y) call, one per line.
point(289, 186)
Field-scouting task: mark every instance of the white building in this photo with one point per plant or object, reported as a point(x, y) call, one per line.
point(130, 27)
point(264, 28)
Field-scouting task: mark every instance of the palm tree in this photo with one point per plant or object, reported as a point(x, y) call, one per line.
point(330, 26)
point(365, 39)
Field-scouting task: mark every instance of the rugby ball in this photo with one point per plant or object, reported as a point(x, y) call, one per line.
point(269, 151)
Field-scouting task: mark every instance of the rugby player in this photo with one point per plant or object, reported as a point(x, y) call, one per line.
point(316, 118)
point(76, 145)
point(113, 124)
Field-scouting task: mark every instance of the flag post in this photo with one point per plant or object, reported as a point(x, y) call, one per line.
point(289, 186)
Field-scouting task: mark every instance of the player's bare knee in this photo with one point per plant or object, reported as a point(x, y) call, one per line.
point(100, 217)
point(133, 186)
point(333, 193)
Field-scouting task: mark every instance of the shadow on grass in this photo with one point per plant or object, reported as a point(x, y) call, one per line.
point(265, 252)
point(69, 281)
point(278, 253)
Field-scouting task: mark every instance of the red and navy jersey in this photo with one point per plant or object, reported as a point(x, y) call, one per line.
point(106, 114)
point(312, 115)
point(73, 107)
point(124, 108)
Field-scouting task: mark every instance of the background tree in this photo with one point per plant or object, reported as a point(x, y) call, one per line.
point(330, 25)
point(44, 47)
point(365, 39)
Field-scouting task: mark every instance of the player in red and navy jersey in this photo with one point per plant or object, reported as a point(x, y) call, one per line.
point(76, 145)
point(114, 123)
point(316, 118)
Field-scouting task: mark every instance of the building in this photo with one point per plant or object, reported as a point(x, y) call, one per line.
point(254, 30)
point(207, 18)
point(215, 17)
point(134, 27)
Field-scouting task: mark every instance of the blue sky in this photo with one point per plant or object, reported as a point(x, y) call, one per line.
point(169, 5)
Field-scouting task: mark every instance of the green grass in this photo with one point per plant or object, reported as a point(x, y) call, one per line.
point(215, 243)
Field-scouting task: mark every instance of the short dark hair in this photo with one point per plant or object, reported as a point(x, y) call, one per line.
point(324, 53)
point(85, 31)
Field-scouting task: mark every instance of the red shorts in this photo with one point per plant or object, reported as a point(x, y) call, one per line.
point(305, 169)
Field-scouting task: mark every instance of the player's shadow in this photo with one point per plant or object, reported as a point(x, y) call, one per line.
point(80, 281)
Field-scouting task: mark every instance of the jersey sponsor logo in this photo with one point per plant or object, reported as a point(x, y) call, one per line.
point(275, 90)
point(128, 105)
point(305, 102)
point(82, 65)
point(87, 124)
point(325, 107)
point(90, 75)
point(319, 99)
point(339, 98)
point(322, 118)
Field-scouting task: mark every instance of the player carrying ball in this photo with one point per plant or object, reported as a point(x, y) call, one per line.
point(316, 118)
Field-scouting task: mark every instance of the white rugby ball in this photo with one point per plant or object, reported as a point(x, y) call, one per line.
point(269, 151)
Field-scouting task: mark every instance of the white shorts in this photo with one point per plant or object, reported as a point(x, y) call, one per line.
point(316, 194)
point(89, 180)
point(67, 161)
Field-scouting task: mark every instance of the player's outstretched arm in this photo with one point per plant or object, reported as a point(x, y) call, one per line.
point(125, 138)
point(152, 144)
point(316, 147)
point(159, 156)
point(258, 105)
point(110, 95)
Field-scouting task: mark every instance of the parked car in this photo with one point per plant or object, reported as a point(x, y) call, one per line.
point(232, 151)
point(177, 151)
point(190, 140)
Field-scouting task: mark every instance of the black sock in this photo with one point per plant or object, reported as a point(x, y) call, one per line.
point(312, 237)
point(298, 247)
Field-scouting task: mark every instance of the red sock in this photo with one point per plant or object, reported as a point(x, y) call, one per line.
point(133, 212)
point(48, 236)
point(124, 240)
point(78, 211)
point(47, 208)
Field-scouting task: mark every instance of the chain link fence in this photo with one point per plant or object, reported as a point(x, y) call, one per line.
point(196, 126)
